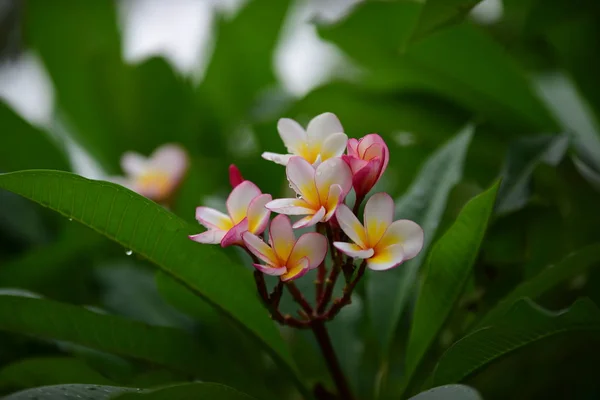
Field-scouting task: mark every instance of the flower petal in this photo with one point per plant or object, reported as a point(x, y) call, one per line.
point(134, 164)
point(366, 177)
point(323, 125)
point(234, 236)
point(235, 176)
point(330, 172)
point(281, 159)
point(311, 219)
point(281, 236)
point(405, 232)
point(172, 159)
point(333, 200)
point(239, 199)
point(211, 236)
point(290, 207)
point(258, 214)
point(334, 145)
point(351, 225)
point(352, 147)
point(259, 248)
point(270, 270)
point(387, 258)
point(354, 250)
point(297, 271)
point(354, 163)
point(379, 214)
point(292, 134)
point(312, 246)
point(301, 175)
point(213, 219)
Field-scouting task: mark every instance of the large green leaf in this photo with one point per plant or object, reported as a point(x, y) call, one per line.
point(449, 392)
point(49, 319)
point(192, 391)
point(423, 203)
point(70, 392)
point(147, 229)
point(524, 324)
point(447, 271)
point(571, 266)
point(440, 13)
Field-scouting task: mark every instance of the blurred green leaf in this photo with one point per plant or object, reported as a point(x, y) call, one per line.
point(424, 203)
point(524, 155)
point(43, 371)
point(524, 324)
point(69, 392)
point(151, 231)
point(191, 391)
point(588, 173)
point(437, 14)
point(449, 392)
point(447, 271)
point(46, 318)
point(569, 267)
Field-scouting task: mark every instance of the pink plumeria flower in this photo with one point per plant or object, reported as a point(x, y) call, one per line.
point(323, 139)
point(235, 176)
point(157, 176)
point(320, 190)
point(245, 212)
point(368, 158)
point(285, 256)
point(383, 243)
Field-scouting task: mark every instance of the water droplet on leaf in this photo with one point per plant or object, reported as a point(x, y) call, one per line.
point(70, 219)
point(129, 252)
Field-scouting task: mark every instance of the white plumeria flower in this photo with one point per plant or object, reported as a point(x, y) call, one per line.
point(285, 256)
point(323, 139)
point(383, 243)
point(320, 190)
point(156, 176)
point(246, 212)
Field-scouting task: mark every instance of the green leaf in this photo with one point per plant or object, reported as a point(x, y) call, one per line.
point(154, 233)
point(69, 392)
point(524, 324)
point(49, 319)
point(571, 266)
point(437, 14)
point(447, 271)
point(424, 203)
point(449, 392)
point(524, 155)
point(192, 391)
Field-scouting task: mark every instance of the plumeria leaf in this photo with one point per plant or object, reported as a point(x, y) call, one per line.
point(447, 271)
point(436, 14)
point(424, 203)
point(525, 323)
point(449, 392)
point(188, 391)
point(149, 230)
point(569, 267)
point(70, 392)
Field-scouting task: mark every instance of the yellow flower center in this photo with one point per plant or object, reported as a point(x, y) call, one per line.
point(155, 182)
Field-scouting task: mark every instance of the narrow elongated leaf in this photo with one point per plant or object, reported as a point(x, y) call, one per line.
point(524, 324)
point(192, 391)
point(151, 231)
point(448, 269)
point(571, 266)
point(449, 392)
point(49, 319)
point(439, 13)
point(70, 392)
point(423, 203)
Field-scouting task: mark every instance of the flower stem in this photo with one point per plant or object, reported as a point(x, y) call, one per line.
point(346, 299)
point(320, 331)
point(299, 297)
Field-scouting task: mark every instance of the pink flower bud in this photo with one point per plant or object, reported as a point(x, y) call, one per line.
point(235, 176)
point(368, 158)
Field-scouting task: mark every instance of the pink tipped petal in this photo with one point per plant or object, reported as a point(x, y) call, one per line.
point(301, 175)
point(354, 163)
point(296, 271)
point(379, 214)
point(171, 159)
point(213, 219)
point(290, 207)
point(259, 248)
point(334, 198)
point(387, 258)
point(212, 236)
point(372, 144)
point(368, 140)
point(134, 164)
point(281, 159)
point(351, 225)
point(323, 125)
point(281, 236)
point(334, 145)
point(268, 270)
point(405, 232)
point(352, 147)
point(234, 236)
point(353, 250)
point(310, 220)
point(292, 134)
point(330, 172)
point(239, 199)
point(235, 176)
point(312, 246)
point(258, 214)
point(366, 177)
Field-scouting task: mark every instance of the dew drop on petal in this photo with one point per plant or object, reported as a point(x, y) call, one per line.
point(129, 252)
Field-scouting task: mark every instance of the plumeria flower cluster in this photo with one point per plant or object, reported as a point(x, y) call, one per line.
point(321, 176)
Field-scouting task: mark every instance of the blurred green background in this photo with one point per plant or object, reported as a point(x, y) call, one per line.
point(84, 81)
